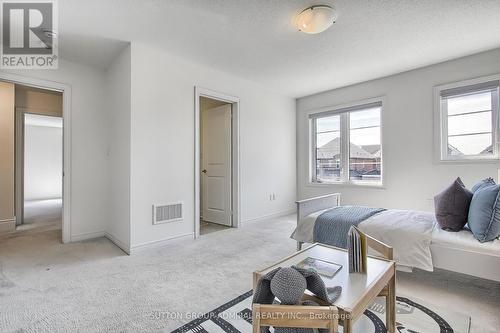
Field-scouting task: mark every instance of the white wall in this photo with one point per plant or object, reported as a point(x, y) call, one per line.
point(89, 185)
point(118, 107)
point(412, 177)
point(121, 164)
point(42, 162)
point(7, 171)
point(162, 142)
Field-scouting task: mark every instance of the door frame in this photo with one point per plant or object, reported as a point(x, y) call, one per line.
point(65, 89)
point(235, 154)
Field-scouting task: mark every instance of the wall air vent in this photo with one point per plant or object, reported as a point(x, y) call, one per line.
point(167, 213)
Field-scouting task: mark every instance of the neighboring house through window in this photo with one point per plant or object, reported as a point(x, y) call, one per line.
point(346, 145)
point(467, 114)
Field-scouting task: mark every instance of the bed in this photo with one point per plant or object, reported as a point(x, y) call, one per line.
point(417, 240)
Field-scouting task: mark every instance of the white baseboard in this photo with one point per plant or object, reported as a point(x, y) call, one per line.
point(7, 225)
point(117, 242)
point(270, 216)
point(86, 235)
point(157, 243)
point(98, 234)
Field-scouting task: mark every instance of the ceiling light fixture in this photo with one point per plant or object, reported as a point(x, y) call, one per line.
point(316, 19)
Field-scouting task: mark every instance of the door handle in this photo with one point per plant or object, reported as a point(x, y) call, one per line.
point(204, 170)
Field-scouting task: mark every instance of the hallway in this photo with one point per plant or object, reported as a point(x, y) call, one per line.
point(42, 215)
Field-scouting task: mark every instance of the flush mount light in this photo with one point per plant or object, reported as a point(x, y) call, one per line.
point(316, 19)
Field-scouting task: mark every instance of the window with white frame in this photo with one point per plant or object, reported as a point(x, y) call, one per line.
point(469, 121)
point(347, 146)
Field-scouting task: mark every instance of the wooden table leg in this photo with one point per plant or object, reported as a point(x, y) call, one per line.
point(256, 318)
point(390, 305)
point(255, 278)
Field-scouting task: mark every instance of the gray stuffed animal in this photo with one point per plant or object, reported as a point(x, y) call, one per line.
point(288, 285)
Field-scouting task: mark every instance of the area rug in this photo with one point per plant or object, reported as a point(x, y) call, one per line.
point(413, 316)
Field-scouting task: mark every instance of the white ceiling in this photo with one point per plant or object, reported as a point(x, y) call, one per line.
point(256, 39)
point(91, 50)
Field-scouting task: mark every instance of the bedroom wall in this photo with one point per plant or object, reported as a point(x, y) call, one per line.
point(118, 106)
point(43, 160)
point(89, 185)
point(162, 142)
point(412, 177)
point(7, 218)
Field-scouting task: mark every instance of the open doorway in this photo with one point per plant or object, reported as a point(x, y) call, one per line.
point(38, 159)
point(217, 160)
point(32, 159)
point(40, 204)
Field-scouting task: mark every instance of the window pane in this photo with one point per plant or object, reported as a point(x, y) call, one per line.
point(469, 123)
point(479, 144)
point(365, 118)
point(366, 136)
point(469, 103)
point(326, 124)
point(365, 148)
point(325, 137)
point(328, 163)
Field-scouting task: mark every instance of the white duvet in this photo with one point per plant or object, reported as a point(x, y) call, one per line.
point(408, 232)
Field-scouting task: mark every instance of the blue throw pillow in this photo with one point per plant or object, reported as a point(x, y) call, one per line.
point(484, 213)
point(482, 183)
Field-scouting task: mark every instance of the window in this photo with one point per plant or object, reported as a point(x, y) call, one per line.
point(328, 165)
point(469, 121)
point(347, 145)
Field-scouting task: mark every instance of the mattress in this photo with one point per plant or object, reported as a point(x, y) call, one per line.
point(410, 233)
point(464, 240)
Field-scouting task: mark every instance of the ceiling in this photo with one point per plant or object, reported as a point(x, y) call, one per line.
point(256, 39)
point(95, 51)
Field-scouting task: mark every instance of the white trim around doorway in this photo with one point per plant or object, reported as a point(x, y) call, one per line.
point(235, 154)
point(66, 91)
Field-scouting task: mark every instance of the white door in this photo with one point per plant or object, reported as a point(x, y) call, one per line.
point(216, 165)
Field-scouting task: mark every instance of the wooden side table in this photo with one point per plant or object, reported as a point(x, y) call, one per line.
point(276, 315)
point(358, 290)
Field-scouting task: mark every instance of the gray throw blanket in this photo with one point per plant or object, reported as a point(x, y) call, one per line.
point(332, 226)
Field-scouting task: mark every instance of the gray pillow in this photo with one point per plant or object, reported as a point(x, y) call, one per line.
point(484, 213)
point(482, 183)
point(452, 206)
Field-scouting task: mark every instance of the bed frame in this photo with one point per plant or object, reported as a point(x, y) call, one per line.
point(486, 266)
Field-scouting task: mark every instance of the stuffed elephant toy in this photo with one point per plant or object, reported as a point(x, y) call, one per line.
point(288, 285)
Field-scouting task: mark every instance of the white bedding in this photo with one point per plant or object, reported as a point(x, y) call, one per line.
point(464, 240)
point(408, 232)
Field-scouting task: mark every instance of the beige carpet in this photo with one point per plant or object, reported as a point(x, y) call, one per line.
point(39, 216)
point(93, 286)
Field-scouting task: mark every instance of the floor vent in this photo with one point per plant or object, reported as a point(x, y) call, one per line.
point(167, 213)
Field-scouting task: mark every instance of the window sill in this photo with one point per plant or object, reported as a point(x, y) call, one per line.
point(347, 184)
point(469, 160)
